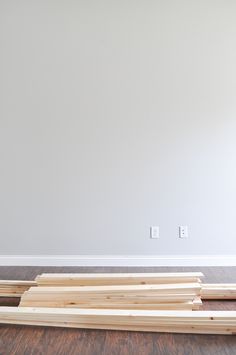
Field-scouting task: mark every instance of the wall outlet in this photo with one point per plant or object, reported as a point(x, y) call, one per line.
point(183, 231)
point(154, 232)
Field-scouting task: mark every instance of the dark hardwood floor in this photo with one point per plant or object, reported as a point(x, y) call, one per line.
point(26, 340)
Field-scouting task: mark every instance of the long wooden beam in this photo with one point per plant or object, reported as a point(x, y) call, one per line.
point(178, 288)
point(89, 279)
point(203, 322)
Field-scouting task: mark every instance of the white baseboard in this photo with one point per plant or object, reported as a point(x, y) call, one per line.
point(118, 260)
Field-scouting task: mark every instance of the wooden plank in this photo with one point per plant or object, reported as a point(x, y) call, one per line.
point(141, 298)
point(137, 328)
point(123, 275)
point(218, 291)
point(14, 288)
point(205, 322)
point(123, 289)
point(17, 283)
point(121, 315)
point(116, 278)
point(96, 305)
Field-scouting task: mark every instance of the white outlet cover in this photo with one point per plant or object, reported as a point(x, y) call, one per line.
point(154, 232)
point(183, 231)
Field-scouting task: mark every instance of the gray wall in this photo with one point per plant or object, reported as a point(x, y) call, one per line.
point(114, 116)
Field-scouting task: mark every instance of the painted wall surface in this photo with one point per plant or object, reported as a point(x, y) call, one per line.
point(115, 116)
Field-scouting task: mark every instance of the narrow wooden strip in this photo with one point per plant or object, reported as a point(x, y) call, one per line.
point(166, 288)
point(17, 283)
point(205, 315)
point(116, 278)
point(218, 291)
point(107, 298)
point(129, 306)
point(122, 275)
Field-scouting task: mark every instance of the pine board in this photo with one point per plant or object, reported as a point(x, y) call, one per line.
point(204, 322)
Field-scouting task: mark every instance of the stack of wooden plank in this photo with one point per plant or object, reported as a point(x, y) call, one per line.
point(153, 291)
point(163, 296)
point(203, 322)
point(159, 302)
point(14, 288)
point(218, 291)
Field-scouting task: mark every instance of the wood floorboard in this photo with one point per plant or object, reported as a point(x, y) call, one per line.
point(26, 340)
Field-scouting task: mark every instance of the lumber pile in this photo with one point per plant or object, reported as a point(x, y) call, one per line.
point(157, 302)
point(218, 291)
point(201, 322)
point(163, 296)
point(14, 288)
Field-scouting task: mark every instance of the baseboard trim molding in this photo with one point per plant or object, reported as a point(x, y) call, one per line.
point(118, 260)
